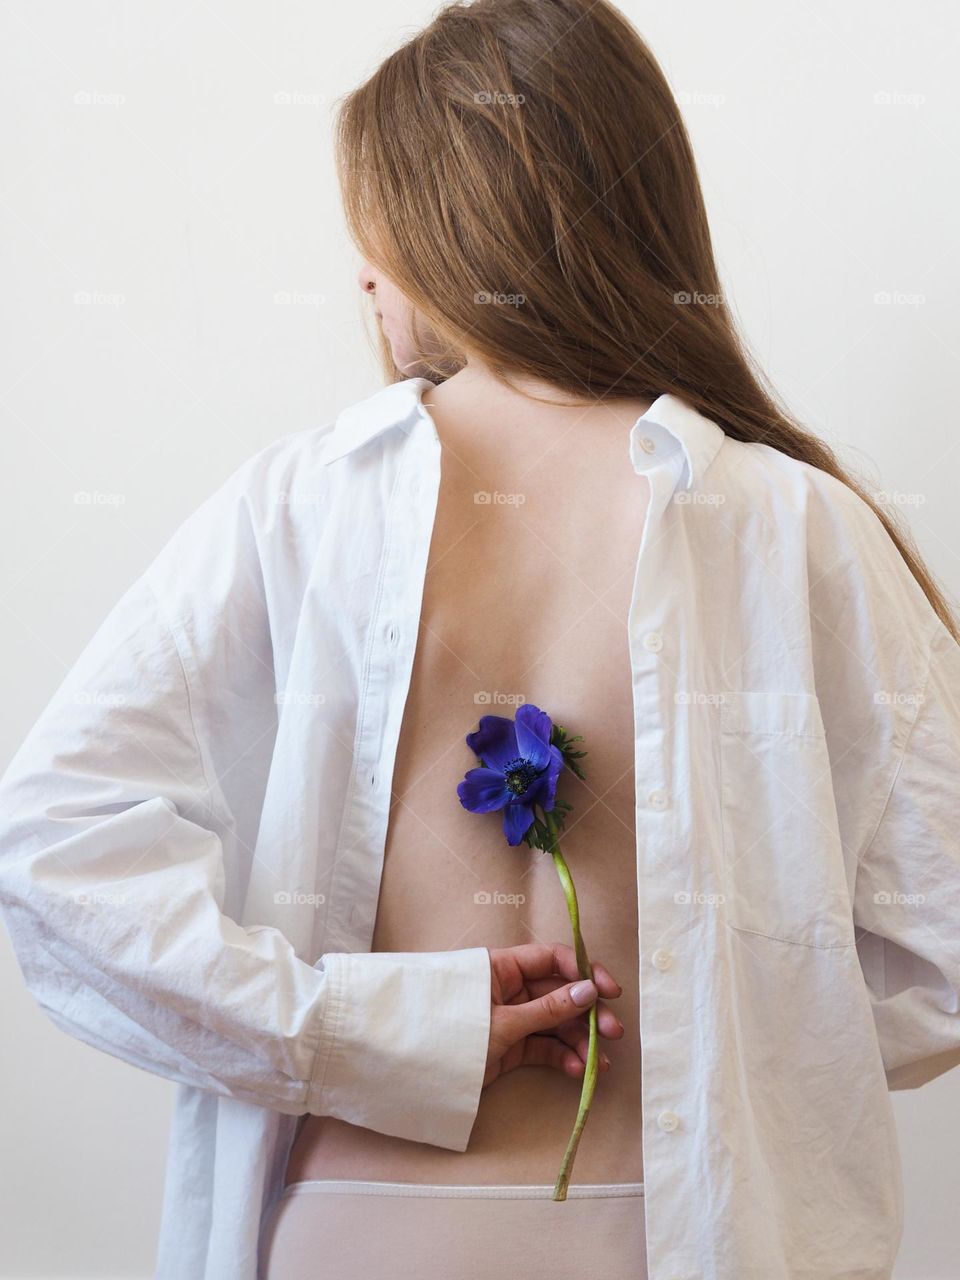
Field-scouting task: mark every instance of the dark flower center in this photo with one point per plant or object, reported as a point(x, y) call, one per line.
point(519, 775)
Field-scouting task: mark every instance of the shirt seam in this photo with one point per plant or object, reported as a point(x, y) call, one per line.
point(903, 755)
point(332, 1011)
point(171, 632)
point(795, 942)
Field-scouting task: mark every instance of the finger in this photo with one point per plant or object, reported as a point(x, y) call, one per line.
point(547, 1051)
point(547, 1012)
point(537, 960)
point(607, 984)
point(608, 1024)
point(566, 959)
point(574, 1034)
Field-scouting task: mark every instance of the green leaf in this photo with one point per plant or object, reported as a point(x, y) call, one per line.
point(562, 741)
point(538, 835)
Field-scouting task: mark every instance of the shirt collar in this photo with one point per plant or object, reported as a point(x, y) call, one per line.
point(395, 405)
point(670, 433)
point(674, 433)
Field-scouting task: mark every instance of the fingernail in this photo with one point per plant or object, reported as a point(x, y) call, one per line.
point(604, 1059)
point(583, 993)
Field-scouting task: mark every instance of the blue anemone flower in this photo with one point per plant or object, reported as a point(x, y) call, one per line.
point(519, 769)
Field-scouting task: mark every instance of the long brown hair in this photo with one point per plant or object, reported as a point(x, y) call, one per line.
point(520, 170)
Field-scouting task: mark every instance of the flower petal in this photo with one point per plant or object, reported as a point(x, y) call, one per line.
point(495, 742)
point(483, 790)
point(533, 728)
point(544, 790)
point(517, 819)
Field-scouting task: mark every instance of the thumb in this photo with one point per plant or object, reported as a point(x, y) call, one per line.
point(550, 1010)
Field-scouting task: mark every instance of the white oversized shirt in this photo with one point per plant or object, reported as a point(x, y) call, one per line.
point(192, 839)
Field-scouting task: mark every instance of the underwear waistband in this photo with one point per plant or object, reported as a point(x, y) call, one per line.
point(364, 1187)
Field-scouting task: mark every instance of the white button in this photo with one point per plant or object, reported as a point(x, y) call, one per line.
point(662, 959)
point(653, 641)
point(647, 445)
point(668, 1121)
point(657, 799)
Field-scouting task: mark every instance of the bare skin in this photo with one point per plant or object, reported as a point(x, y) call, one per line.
point(526, 597)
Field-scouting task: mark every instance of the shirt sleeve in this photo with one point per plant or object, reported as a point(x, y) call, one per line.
point(113, 888)
point(907, 893)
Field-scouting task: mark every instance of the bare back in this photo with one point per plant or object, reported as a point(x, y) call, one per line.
point(527, 597)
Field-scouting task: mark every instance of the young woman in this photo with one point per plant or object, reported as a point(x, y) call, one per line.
point(232, 850)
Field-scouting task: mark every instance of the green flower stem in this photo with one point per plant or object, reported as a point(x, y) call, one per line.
point(586, 971)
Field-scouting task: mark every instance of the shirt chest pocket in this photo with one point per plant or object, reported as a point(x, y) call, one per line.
point(782, 871)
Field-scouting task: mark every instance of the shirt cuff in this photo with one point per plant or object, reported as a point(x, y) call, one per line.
point(403, 1045)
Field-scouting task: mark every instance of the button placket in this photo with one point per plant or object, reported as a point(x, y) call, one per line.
point(654, 681)
point(407, 537)
point(657, 798)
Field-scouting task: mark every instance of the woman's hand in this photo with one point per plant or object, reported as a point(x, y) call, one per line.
point(534, 1019)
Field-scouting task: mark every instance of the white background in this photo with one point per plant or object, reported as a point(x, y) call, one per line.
point(148, 165)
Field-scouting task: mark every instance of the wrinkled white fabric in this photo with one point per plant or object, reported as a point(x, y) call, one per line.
point(192, 836)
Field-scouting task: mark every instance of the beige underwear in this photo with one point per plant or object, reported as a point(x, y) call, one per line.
point(358, 1230)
